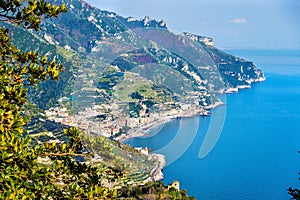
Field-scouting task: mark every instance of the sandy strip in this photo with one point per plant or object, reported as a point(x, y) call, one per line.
point(142, 130)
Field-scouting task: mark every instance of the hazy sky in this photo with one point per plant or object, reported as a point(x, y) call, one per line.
point(231, 23)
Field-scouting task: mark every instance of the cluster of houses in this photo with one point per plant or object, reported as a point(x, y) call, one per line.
point(92, 120)
point(110, 121)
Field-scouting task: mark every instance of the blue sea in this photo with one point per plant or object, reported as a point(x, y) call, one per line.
point(256, 154)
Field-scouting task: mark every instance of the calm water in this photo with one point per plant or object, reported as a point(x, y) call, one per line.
point(256, 155)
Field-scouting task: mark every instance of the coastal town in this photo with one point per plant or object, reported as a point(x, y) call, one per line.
point(107, 120)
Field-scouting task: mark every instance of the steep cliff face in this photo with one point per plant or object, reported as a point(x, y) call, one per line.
point(91, 42)
point(236, 72)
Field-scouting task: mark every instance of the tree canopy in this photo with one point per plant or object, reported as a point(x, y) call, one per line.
point(28, 14)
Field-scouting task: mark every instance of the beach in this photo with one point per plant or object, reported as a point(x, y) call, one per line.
point(142, 130)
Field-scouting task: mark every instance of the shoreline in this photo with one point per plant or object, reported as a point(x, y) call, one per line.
point(156, 173)
point(142, 130)
point(236, 89)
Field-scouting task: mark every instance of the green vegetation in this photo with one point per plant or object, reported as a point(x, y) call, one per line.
point(132, 83)
point(22, 174)
point(135, 88)
point(109, 156)
point(233, 70)
point(154, 190)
